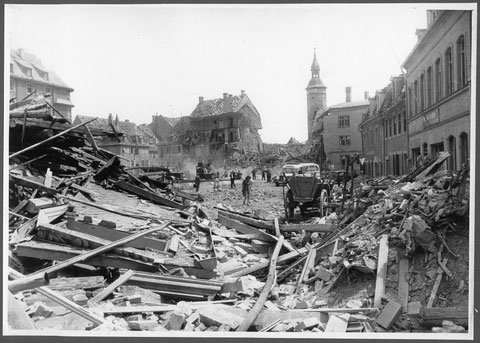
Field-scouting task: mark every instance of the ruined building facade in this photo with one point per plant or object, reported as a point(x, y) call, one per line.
point(215, 129)
point(384, 131)
point(438, 87)
point(28, 75)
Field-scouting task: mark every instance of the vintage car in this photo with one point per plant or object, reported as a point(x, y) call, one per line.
point(288, 170)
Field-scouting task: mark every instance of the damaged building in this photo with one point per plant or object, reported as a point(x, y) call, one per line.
point(438, 88)
point(135, 145)
point(215, 129)
point(384, 130)
point(29, 78)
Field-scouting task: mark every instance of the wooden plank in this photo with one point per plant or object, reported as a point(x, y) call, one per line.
point(107, 169)
point(277, 227)
point(435, 316)
point(117, 283)
point(262, 224)
point(381, 271)
point(244, 228)
point(255, 311)
point(18, 208)
point(143, 193)
point(403, 267)
point(309, 227)
point(79, 238)
point(48, 179)
point(113, 235)
point(306, 267)
point(83, 282)
point(88, 192)
point(98, 251)
point(55, 252)
point(337, 322)
point(48, 215)
point(33, 184)
point(49, 139)
point(436, 285)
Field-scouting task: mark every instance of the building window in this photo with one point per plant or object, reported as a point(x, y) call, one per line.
point(415, 96)
point(448, 72)
point(343, 121)
point(404, 122)
point(422, 92)
point(11, 68)
point(410, 103)
point(344, 140)
point(29, 88)
point(462, 63)
point(394, 125)
point(429, 87)
point(399, 123)
point(438, 80)
point(376, 134)
point(390, 127)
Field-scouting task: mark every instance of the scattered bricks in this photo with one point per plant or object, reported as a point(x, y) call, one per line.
point(245, 246)
point(389, 314)
point(143, 325)
point(271, 306)
point(80, 299)
point(232, 266)
point(291, 325)
point(324, 274)
point(233, 285)
point(193, 318)
point(240, 251)
point(301, 305)
point(200, 327)
point(449, 327)
point(223, 328)
point(198, 249)
point(176, 320)
point(307, 324)
point(414, 308)
point(39, 309)
point(260, 246)
point(211, 316)
point(218, 239)
point(189, 327)
point(222, 257)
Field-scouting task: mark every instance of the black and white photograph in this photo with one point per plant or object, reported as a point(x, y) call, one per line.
point(239, 170)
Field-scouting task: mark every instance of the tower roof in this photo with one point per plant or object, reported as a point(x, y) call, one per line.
point(315, 81)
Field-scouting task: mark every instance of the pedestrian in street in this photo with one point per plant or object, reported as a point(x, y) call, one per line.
point(232, 179)
point(253, 174)
point(263, 174)
point(269, 175)
point(197, 183)
point(246, 188)
point(216, 184)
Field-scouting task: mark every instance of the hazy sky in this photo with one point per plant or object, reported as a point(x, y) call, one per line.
point(139, 60)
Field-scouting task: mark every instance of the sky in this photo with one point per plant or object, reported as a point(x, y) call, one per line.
point(140, 60)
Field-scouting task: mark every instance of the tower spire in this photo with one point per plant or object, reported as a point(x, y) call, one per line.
point(315, 66)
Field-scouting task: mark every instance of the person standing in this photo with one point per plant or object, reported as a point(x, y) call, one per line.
point(197, 183)
point(246, 188)
point(263, 174)
point(232, 179)
point(253, 174)
point(216, 184)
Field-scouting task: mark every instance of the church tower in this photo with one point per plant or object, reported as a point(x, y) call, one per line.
point(316, 95)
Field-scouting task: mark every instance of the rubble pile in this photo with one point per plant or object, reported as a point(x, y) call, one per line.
point(91, 243)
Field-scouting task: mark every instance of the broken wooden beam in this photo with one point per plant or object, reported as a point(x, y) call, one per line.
point(23, 284)
point(33, 184)
point(244, 228)
point(113, 235)
point(381, 271)
point(50, 139)
point(143, 193)
point(435, 316)
point(309, 227)
point(107, 169)
point(403, 267)
point(262, 224)
point(110, 288)
point(436, 285)
point(97, 251)
point(255, 311)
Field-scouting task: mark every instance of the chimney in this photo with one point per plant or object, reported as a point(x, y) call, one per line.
point(200, 99)
point(225, 95)
point(348, 91)
point(116, 119)
point(366, 95)
point(110, 118)
point(243, 92)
